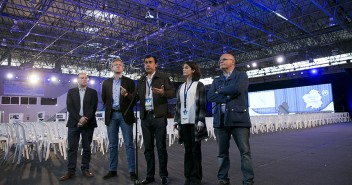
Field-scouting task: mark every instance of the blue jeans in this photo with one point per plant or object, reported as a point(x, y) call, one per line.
point(241, 137)
point(113, 136)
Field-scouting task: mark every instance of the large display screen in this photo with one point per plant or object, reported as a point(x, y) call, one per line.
point(314, 98)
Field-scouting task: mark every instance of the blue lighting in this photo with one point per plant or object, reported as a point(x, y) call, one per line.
point(314, 71)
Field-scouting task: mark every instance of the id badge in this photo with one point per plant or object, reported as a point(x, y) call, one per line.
point(184, 115)
point(148, 104)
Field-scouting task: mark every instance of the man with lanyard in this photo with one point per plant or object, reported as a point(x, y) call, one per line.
point(153, 90)
point(230, 93)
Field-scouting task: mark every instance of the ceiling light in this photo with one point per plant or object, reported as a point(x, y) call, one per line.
point(270, 38)
point(148, 15)
point(15, 27)
point(53, 79)
point(3, 43)
point(332, 21)
point(209, 12)
point(254, 64)
point(224, 49)
point(280, 59)
point(33, 79)
point(9, 76)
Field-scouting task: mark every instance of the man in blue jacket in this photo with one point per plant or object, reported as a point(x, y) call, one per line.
point(230, 93)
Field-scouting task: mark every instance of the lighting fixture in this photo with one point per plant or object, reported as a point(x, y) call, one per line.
point(15, 27)
point(3, 43)
point(148, 15)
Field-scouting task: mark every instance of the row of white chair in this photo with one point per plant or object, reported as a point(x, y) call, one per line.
point(270, 123)
point(40, 138)
point(32, 138)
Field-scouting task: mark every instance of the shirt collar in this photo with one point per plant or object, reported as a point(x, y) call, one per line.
point(151, 75)
point(227, 75)
point(119, 76)
point(82, 88)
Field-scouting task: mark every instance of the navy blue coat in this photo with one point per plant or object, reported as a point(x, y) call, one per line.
point(234, 92)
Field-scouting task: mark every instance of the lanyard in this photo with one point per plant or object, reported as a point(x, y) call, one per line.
point(149, 84)
point(185, 93)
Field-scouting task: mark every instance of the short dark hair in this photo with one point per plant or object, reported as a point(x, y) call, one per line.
point(194, 66)
point(151, 56)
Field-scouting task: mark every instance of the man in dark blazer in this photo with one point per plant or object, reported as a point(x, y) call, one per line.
point(117, 93)
point(231, 117)
point(82, 103)
point(153, 90)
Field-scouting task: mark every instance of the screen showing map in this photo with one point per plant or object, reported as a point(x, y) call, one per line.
point(314, 98)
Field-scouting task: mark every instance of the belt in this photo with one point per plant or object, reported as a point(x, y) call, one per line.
point(113, 110)
point(150, 111)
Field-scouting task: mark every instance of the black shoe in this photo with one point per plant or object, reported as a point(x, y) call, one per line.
point(164, 180)
point(110, 174)
point(133, 176)
point(148, 180)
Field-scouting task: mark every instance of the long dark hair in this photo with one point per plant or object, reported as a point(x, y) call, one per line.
point(194, 66)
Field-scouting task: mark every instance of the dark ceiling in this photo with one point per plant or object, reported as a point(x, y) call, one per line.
point(90, 33)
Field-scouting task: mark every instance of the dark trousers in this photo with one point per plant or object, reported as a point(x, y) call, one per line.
point(155, 128)
point(193, 154)
point(73, 143)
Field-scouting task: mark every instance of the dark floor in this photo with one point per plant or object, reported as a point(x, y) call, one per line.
point(314, 156)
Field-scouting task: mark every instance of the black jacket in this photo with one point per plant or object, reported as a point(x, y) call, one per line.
point(90, 103)
point(159, 102)
point(106, 95)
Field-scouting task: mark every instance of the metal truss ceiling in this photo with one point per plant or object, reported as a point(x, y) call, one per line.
point(89, 33)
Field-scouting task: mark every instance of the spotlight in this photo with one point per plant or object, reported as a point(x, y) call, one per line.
point(15, 27)
point(254, 64)
point(224, 49)
point(9, 76)
point(74, 80)
point(148, 15)
point(270, 38)
point(279, 59)
point(91, 82)
point(209, 12)
point(314, 71)
point(3, 43)
point(33, 79)
point(53, 79)
point(332, 21)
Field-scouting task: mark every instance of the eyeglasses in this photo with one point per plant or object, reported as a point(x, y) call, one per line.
point(224, 59)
